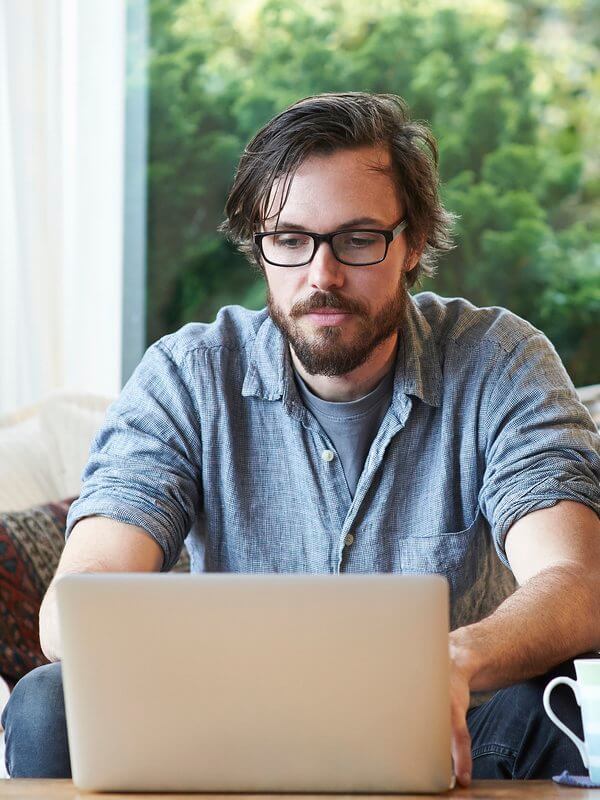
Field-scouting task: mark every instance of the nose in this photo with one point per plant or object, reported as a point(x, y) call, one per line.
point(325, 271)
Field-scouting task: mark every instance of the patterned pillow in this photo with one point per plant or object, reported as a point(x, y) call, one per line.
point(30, 546)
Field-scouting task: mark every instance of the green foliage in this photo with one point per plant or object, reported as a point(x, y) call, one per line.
point(514, 158)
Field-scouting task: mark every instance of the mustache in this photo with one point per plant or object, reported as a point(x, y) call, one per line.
point(326, 300)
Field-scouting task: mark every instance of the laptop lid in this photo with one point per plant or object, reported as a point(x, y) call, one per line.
point(257, 683)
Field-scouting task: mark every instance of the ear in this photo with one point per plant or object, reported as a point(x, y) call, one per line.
point(412, 256)
point(411, 260)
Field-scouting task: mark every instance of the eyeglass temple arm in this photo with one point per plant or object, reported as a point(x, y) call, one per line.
point(399, 227)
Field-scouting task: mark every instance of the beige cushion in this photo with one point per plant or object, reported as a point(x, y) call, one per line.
point(590, 397)
point(26, 465)
point(70, 423)
point(44, 448)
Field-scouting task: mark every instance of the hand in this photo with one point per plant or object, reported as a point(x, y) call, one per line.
point(48, 625)
point(461, 739)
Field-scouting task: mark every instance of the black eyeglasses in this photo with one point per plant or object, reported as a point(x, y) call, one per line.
point(355, 248)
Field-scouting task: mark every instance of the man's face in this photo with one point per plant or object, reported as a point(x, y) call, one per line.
point(329, 193)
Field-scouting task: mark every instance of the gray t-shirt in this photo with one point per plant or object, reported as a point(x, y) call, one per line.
point(351, 426)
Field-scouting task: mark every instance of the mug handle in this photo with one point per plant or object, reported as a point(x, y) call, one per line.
point(572, 736)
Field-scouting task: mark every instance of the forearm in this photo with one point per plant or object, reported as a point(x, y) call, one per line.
point(554, 616)
point(96, 544)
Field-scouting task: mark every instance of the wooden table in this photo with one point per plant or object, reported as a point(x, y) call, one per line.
point(479, 790)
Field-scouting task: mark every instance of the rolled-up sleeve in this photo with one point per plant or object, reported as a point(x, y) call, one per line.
point(144, 464)
point(542, 445)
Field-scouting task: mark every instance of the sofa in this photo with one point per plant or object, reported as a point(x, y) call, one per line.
point(43, 450)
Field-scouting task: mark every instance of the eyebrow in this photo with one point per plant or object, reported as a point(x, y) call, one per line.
point(351, 223)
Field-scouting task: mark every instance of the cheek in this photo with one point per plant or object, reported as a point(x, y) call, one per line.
point(379, 292)
point(373, 288)
point(284, 289)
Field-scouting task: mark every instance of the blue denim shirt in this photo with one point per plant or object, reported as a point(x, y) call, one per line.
point(210, 437)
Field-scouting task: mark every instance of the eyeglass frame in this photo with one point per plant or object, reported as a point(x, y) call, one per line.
point(318, 238)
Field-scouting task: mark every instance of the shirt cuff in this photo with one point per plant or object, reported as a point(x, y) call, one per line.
point(148, 518)
point(546, 494)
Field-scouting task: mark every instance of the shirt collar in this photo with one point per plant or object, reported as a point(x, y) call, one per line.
point(417, 372)
point(267, 368)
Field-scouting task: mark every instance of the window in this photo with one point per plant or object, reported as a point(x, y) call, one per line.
point(506, 89)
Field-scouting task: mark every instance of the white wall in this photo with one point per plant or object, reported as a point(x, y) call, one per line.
point(62, 95)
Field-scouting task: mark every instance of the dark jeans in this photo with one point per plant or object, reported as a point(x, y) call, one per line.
point(511, 735)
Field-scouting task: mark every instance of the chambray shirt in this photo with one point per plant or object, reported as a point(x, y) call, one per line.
point(210, 437)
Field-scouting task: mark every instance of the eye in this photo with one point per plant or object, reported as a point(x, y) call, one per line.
point(290, 241)
point(358, 241)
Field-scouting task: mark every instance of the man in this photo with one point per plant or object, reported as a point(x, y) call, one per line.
point(352, 428)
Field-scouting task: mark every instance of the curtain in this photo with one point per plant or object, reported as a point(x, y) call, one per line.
point(62, 95)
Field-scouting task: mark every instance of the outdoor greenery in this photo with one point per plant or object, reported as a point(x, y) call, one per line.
point(509, 90)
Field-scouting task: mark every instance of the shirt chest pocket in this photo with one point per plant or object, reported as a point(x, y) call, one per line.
point(454, 555)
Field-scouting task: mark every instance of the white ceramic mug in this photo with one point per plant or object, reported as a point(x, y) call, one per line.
point(587, 694)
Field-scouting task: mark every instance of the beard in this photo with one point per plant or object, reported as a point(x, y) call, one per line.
point(323, 351)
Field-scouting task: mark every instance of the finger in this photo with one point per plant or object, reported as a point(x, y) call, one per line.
point(461, 753)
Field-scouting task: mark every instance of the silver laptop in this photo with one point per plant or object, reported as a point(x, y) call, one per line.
point(257, 683)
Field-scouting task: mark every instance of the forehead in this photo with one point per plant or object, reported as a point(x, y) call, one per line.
point(328, 189)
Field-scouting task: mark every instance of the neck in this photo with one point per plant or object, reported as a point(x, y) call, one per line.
point(355, 384)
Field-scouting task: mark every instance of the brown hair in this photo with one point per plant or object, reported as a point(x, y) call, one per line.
point(329, 122)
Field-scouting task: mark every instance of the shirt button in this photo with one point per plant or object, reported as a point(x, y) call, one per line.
point(349, 539)
point(327, 455)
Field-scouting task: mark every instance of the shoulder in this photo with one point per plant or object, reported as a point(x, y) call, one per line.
point(491, 345)
point(456, 321)
point(234, 329)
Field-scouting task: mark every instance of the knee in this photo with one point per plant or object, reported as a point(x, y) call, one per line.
point(37, 700)
point(528, 698)
point(35, 726)
point(562, 699)
point(545, 750)
point(516, 735)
